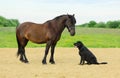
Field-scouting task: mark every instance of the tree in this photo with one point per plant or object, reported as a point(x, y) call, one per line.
point(92, 24)
point(100, 25)
point(13, 22)
point(113, 24)
point(8, 22)
point(2, 21)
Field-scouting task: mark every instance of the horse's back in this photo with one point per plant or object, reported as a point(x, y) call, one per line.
point(27, 25)
point(37, 33)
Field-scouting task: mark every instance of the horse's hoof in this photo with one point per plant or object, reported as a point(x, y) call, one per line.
point(26, 61)
point(52, 62)
point(44, 62)
point(21, 59)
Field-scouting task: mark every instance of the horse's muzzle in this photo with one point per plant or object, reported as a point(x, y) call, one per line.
point(72, 32)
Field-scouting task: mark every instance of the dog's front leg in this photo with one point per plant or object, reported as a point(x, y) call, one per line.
point(82, 61)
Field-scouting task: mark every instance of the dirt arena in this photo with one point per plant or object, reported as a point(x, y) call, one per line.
point(67, 60)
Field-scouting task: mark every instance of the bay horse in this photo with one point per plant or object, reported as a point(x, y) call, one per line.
point(48, 32)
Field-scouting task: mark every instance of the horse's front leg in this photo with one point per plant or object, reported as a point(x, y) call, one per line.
point(46, 53)
point(52, 54)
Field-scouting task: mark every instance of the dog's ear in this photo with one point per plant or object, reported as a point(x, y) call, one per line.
point(79, 42)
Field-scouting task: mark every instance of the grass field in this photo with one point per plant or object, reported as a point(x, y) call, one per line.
point(92, 37)
point(67, 60)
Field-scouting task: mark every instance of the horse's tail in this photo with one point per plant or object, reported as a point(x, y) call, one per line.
point(19, 52)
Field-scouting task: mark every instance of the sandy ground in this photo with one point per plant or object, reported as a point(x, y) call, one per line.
point(67, 60)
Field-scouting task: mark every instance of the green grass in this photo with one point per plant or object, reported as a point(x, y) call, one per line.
point(91, 37)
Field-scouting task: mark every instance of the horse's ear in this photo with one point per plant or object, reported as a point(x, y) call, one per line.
point(73, 15)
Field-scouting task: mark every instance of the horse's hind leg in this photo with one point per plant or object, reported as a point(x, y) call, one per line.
point(21, 50)
point(23, 57)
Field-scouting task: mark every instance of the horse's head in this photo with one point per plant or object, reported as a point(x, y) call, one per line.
point(70, 24)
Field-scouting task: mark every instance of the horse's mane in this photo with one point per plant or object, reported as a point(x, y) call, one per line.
point(56, 18)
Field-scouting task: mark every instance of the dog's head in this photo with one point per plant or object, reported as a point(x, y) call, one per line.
point(78, 44)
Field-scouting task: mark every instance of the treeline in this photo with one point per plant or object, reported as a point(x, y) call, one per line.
point(109, 24)
point(4, 22)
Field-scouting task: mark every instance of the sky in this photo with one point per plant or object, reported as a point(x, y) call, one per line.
point(39, 11)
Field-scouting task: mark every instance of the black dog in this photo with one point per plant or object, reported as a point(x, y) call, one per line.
point(86, 54)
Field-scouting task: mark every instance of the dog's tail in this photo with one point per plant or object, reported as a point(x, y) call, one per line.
point(103, 63)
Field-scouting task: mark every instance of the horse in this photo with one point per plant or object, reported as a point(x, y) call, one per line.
point(48, 32)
